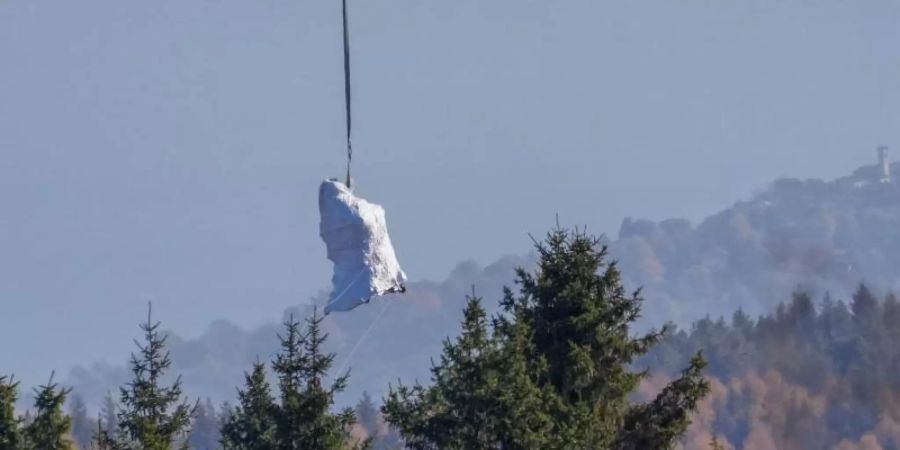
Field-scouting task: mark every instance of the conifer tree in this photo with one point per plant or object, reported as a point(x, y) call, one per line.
point(659, 423)
point(556, 373)
point(303, 419)
point(251, 424)
point(83, 426)
point(891, 317)
point(367, 414)
point(524, 407)
point(10, 424)
point(580, 316)
point(802, 311)
point(864, 305)
point(107, 429)
point(458, 410)
point(205, 427)
point(50, 427)
point(152, 416)
point(290, 366)
point(109, 419)
point(101, 438)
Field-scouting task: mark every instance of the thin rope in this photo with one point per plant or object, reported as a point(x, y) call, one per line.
point(347, 91)
point(365, 334)
point(347, 288)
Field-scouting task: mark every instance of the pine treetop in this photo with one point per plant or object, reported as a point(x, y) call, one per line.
point(302, 419)
point(251, 424)
point(49, 429)
point(152, 416)
point(553, 369)
point(10, 433)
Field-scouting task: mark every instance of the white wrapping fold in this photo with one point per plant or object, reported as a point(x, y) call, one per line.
point(357, 242)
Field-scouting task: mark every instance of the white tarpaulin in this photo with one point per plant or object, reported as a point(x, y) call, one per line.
point(356, 239)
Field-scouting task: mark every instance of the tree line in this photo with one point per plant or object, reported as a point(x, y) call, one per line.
point(553, 369)
point(816, 373)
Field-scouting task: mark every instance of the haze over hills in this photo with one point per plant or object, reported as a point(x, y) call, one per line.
point(820, 235)
point(171, 151)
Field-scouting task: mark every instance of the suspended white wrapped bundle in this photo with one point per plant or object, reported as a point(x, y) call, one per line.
point(357, 241)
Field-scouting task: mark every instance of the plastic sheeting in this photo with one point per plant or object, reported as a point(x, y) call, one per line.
point(357, 241)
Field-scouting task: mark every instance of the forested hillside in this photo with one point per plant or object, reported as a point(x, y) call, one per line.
point(815, 373)
point(822, 235)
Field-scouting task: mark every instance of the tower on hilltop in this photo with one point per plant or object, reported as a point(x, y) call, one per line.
point(884, 165)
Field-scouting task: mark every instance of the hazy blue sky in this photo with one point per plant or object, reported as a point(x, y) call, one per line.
point(170, 150)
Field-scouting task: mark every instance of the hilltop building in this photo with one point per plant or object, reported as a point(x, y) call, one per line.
point(884, 165)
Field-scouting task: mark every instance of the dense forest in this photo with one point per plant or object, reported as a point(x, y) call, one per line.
point(813, 374)
point(552, 369)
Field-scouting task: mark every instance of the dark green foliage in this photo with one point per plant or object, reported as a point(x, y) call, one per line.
point(10, 424)
point(83, 426)
point(801, 312)
point(151, 416)
point(49, 428)
point(303, 418)
point(525, 408)
point(251, 424)
point(291, 367)
point(658, 424)
point(864, 305)
point(456, 412)
point(553, 370)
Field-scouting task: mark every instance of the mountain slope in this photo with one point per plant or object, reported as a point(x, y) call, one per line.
point(822, 236)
